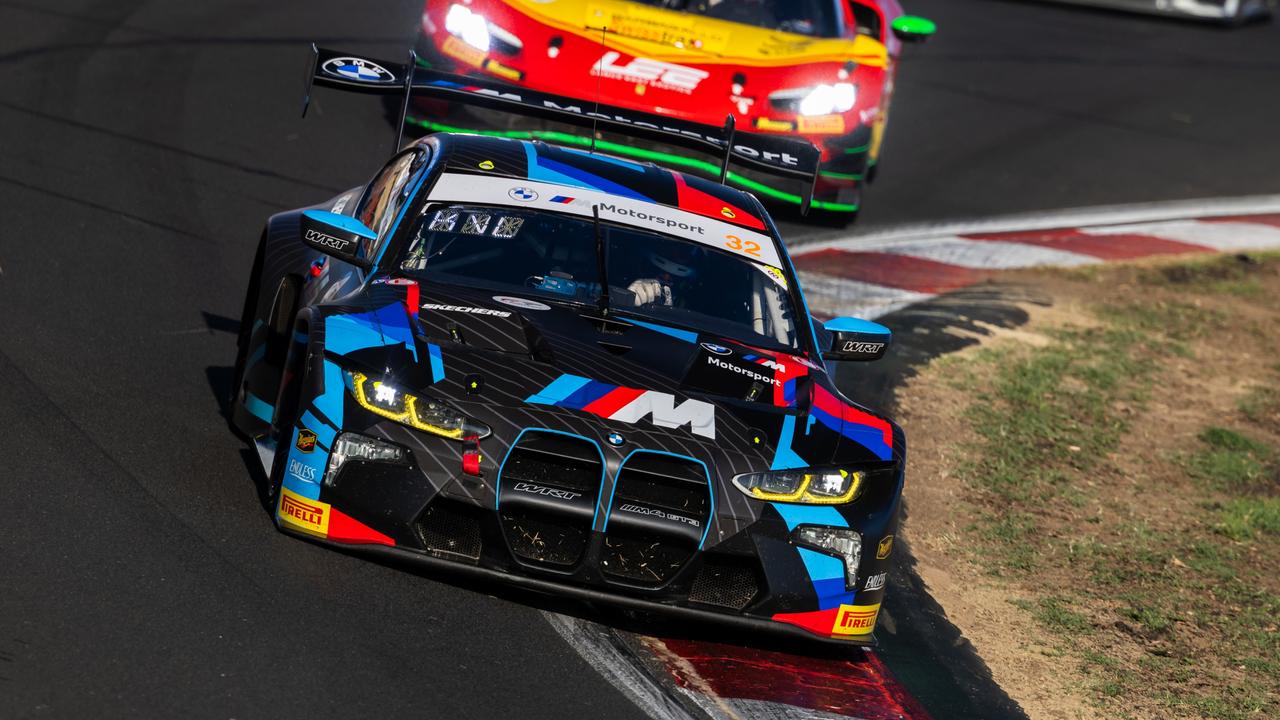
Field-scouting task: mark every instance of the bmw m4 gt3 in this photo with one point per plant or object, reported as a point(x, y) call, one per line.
point(571, 372)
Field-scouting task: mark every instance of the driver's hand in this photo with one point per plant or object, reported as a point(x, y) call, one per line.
point(648, 290)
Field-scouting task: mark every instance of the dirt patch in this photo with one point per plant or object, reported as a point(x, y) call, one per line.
point(1095, 497)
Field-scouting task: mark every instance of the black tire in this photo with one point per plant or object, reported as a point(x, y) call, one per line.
point(293, 378)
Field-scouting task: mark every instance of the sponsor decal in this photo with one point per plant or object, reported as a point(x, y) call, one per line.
point(485, 165)
point(885, 548)
point(306, 441)
point(303, 472)
point(642, 510)
point(532, 489)
point(629, 405)
point(329, 241)
point(394, 281)
point(663, 222)
point(821, 124)
point(717, 349)
point(759, 377)
point(856, 619)
point(465, 309)
point(780, 159)
point(775, 274)
point(875, 582)
point(655, 73)
point(851, 346)
point(728, 213)
point(305, 514)
point(358, 69)
point(521, 303)
point(522, 194)
point(711, 231)
point(455, 48)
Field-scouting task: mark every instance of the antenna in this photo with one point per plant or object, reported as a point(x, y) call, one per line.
point(729, 126)
point(404, 104)
point(595, 119)
point(602, 263)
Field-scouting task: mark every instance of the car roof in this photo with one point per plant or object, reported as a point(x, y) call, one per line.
point(542, 162)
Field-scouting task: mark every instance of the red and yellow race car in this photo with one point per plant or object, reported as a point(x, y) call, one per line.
point(822, 70)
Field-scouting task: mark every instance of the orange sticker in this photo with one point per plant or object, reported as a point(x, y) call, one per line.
point(821, 124)
point(454, 47)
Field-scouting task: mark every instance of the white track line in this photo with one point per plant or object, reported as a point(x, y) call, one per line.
point(1079, 217)
point(988, 255)
point(597, 645)
point(1225, 236)
point(850, 298)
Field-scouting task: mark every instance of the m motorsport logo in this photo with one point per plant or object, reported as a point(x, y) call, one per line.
point(629, 405)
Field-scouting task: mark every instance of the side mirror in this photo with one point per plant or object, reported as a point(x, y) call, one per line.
point(336, 235)
point(854, 339)
point(913, 29)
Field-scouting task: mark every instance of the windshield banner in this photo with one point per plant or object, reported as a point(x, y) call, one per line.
point(549, 197)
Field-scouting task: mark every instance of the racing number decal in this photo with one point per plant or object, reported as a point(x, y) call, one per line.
point(749, 247)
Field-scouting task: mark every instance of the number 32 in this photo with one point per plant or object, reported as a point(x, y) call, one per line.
point(749, 247)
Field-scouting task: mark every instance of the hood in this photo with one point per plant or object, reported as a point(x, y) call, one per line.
point(511, 356)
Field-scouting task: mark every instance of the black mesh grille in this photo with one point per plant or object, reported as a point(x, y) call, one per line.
point(642, 560)
point(659, 514)
point(450, 530)
point(542, 540)
point(548, 491)
point(726, 582)
point(552, 459)
point(671, 483)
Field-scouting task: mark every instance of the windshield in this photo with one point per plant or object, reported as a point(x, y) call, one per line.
point(815, 18)
point(653, 276)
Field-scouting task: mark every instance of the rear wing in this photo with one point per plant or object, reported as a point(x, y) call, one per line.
point(780, 156)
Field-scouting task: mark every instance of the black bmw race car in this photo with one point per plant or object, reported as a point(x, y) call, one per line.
point(572, 372)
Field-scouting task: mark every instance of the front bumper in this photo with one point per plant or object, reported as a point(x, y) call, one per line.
point(744, 623)
point(745, 572)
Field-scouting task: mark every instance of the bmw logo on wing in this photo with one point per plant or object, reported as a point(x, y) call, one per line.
point(359, 69)
point(523, 194)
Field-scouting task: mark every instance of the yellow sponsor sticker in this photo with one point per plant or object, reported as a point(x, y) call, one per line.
point(885, 548)
point(501, 70)
point(300, 513)
point(774, 125)
point(821, 124)
point(455, 48)
point(856, 619)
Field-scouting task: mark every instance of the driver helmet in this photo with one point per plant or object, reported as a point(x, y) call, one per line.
point(677, 262)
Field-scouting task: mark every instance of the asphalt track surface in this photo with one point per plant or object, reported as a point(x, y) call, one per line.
point(142, 144)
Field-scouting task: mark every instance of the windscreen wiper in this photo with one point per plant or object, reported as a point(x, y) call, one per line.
point(602, 262)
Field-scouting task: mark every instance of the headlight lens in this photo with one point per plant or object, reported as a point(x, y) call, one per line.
point(820, 100)
point(809, 486)
point(350, 446)
point(470, 26)
point(416, 411)
point(843, 543)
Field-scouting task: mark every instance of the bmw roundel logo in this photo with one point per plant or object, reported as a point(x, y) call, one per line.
point(358, 69)
point(717, 349)
point(523, 194)
point(615, 439)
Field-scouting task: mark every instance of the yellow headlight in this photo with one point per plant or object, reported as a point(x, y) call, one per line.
point(828, 487)
point(417, 412)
